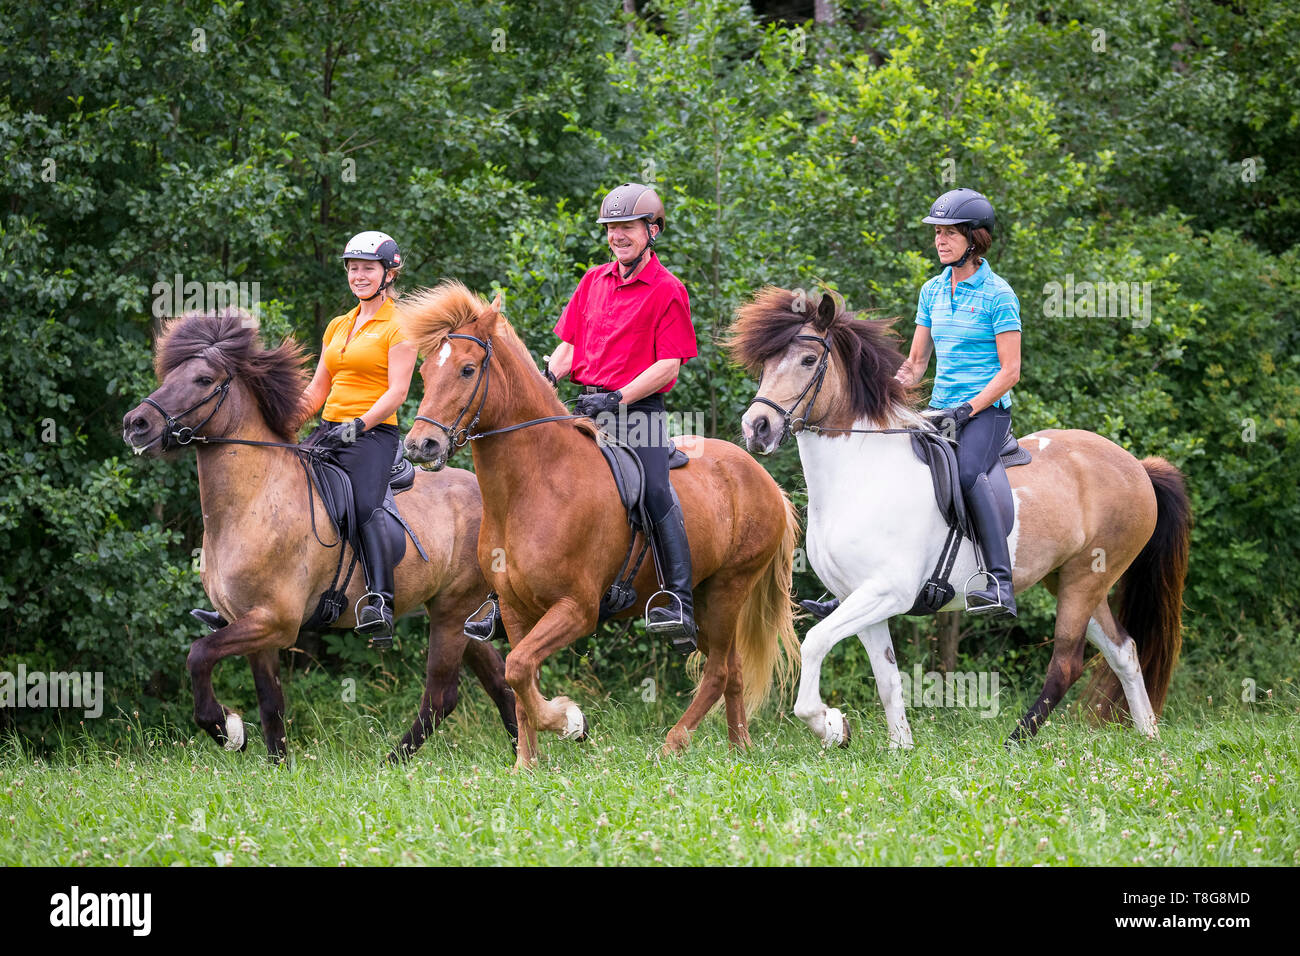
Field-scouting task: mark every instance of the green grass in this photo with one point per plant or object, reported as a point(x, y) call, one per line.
point(1219, 788)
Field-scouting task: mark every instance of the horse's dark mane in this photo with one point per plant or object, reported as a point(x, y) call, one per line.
point(866, 349)
point(229, 340)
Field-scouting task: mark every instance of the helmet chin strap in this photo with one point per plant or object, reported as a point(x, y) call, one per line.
point(380, 291)
point(970, 247)
point(650, 244)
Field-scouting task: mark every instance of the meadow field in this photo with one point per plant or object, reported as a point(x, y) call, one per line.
point(1218, 789)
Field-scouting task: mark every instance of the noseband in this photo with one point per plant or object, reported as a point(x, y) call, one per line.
point(184, 434)
point(788, 421)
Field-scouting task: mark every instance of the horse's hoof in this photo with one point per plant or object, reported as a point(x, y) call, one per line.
point(575, 724)
point(236, 739)
point(836, 729)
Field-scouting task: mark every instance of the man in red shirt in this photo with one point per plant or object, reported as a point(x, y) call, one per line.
point(626, 332)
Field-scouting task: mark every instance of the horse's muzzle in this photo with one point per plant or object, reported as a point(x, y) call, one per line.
point(143, 431)
point(760, 437)
point(429, 451)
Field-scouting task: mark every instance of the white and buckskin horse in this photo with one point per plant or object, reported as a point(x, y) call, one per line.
point(1088, 517)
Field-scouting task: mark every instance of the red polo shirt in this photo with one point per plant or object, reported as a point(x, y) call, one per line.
point(619, 329)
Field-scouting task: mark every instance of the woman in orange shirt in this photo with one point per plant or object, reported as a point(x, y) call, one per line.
point(362, 379)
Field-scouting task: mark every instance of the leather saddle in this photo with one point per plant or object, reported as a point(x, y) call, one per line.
point(940, 456)
point(629, 479)
point(335, 490)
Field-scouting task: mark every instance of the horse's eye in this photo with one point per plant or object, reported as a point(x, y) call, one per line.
point(808, 361)
point(467, 371)
point(203, 380)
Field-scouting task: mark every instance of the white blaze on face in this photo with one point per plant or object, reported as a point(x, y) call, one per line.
point(443, 354)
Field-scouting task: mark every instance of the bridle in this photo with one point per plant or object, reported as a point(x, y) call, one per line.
point(459, 437)
point(184, 434)
point(788, 421)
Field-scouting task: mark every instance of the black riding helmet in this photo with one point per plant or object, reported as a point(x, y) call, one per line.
point(966, 209)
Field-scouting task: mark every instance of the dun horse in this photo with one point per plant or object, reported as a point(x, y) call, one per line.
point(554, 531)
point(1088, 516)
point(264, 566)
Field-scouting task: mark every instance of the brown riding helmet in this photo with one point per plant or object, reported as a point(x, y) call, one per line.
point(632, 201)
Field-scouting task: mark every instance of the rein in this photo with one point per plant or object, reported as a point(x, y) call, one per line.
point(458, 437)
point(186, 434)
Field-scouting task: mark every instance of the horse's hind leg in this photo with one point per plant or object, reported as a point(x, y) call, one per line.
point(712, 683)
point(1121, 653)
point(270, 701)
point(441, 678)
point(488, 666)
point(734, 695)
point(1078, 595)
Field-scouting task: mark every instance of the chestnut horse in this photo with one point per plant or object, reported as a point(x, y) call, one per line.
point(1088, 516)
point(264, 560)
point(555, 533)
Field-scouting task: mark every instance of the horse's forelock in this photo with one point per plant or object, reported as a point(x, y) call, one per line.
point(224, 339)
point(764, 327)
point(229, 340)
point(428, 316)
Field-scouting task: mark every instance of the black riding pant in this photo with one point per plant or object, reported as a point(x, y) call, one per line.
point(978, 443)
point(368, 461)
point(643, 426)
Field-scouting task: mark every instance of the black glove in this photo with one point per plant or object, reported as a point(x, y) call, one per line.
point(546, 370)
point(959, 415)
point(341, 434)
point(592, 405)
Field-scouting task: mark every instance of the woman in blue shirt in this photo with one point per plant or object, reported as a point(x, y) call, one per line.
point(970, 317)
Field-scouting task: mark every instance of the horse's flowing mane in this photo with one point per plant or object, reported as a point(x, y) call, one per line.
point(865, 349)
point(229, 340)
point(428, 316)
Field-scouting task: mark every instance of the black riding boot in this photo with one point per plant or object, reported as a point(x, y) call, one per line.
point(212, 619)
point(375, 616)
point(489, 626)
point(674, 553)
point(820, 609)
point(1000, 598)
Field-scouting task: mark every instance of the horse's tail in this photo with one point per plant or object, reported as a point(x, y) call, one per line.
point(1149, 599)
point(765, 637)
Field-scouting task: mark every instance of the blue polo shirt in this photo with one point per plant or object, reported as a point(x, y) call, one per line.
point(964, 323)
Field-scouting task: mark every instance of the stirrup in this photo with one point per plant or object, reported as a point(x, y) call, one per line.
point(983, 608)
point(374, 629)
point(662, 626)
point(682, 640)
point(475, 618)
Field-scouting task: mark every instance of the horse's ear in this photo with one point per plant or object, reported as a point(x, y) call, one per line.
point(496, 303)
point(826, 310)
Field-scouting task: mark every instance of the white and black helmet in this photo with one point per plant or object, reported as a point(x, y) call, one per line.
point(375, 246)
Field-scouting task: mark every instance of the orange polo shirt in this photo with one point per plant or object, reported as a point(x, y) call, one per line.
point(359, 368)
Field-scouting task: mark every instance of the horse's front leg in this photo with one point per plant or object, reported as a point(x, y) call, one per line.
point(560, 626)
point(861, 610)
point(253, 632)
point(884, 665)
point(270, 700)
